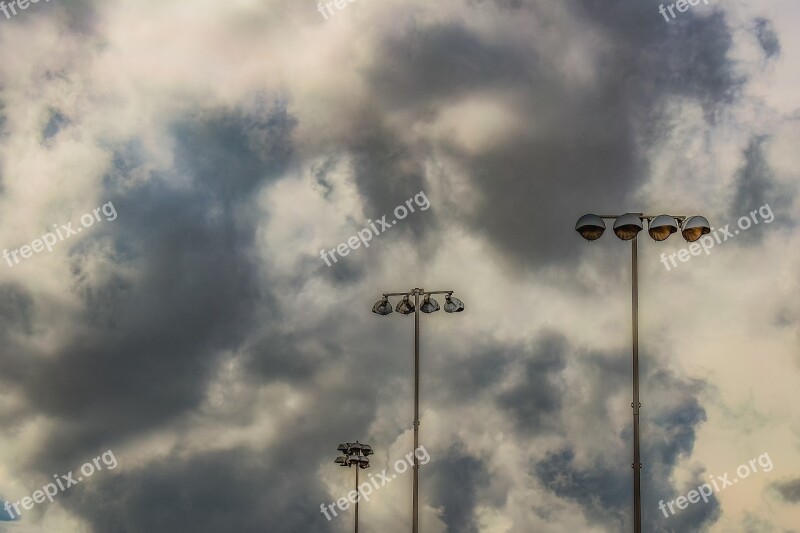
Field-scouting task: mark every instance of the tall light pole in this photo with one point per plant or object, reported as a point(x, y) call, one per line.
point(405, 307)
point(627, 228)
point(354, 454)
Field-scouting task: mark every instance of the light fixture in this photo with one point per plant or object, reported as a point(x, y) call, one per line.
point(661, 227)
point(429, 305)
point(694, 228)
point(591, 227)
point(382, 306)
point(627, 226)
point(453, 304)
point(355, 454)
point(405, 306)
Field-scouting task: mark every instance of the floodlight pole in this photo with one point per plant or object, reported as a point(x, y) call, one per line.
point(358, 494)
point(415, 468)
point(350, 451)
point(415, 483)
point(635, 404)
point(637, 464)
point(595, 229)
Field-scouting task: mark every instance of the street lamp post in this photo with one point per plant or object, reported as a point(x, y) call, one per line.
point(627, 228)
point(354, 454)
point(406, 307)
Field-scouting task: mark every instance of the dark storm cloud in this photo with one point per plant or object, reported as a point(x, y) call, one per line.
point(152, 341)
point(18, 323)
point(753, 523)
point(755, 187)
point(676, 420)
point(670, 417)
point(432, 65)
point(536, 401)
point(16, 310)
point(80, 16)
point(277, 489)
point(281, 357)
point(511, 178)
point(603, 490)
point(477, 372)
point(754, 180)
point(456, 481)
point(543, 394)
point(387, 173)
point(55, 122)
point(789, 490)
point(536, 397)
point(344, 272)
point(767, 38)
point(239, 491)
point(592, 160)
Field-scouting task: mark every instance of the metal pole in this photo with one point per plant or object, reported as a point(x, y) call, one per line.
point(415, 494)
point(637, 465)
point(358, 495)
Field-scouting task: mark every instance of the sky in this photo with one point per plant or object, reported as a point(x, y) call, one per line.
point(179, 182)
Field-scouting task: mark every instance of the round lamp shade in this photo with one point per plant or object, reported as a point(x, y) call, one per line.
point(627, 226)
point(662, 227)
point(591, 227)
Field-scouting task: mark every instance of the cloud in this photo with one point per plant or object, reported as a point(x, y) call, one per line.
point(789, 490)
point(202, 339)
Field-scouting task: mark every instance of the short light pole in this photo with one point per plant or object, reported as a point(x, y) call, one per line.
point(627, 228)
point(354, 454)
point(406, 307)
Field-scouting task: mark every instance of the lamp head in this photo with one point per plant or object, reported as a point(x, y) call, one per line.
point(695, 227)
point(405, 306)
point(429, 305)
point(591, 227)
point(382, 307)
point(627, 226)
point(453, 304)
point(661, 227)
